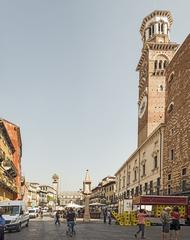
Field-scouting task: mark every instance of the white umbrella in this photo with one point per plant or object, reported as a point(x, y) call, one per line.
point(73, 205)
point(97, 204)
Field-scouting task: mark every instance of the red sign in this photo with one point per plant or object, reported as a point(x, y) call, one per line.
point(162, 200)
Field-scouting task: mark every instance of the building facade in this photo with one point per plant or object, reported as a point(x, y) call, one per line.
point(48, 195)
point(176, 167)
point(96, 195)
point(15, 136)
point(8, 171)
point(108, 192)
point(142, 173)
point(105, 192)
point(67, 197)
point(157, 52)
point(33, 194)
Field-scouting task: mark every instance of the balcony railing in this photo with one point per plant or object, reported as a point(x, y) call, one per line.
point(2, 156)
point(10, 167)
point(8, 183)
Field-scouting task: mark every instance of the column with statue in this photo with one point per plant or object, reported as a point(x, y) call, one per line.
point(87, 192)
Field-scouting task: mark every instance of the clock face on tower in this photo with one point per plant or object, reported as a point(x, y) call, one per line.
point(142, 106)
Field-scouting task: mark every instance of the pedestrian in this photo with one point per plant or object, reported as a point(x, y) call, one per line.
point(41, 213)
point(175, 224)
point(165, 219)
point(109, 216)
point(57, 218)
point(141, 223)
point(71, 218)
point(2, 225)
point(105, 214)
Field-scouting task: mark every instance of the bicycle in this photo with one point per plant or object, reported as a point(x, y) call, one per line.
point(70, 229)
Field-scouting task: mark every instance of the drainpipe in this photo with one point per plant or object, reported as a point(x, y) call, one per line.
point(161, 181)
point(139, 174)
point(139, 170)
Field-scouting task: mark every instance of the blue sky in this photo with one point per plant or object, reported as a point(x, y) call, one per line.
point(67, 77)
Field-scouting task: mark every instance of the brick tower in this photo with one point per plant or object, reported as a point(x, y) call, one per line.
point(157, 52)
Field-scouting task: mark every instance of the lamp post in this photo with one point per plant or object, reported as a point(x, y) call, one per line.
point(87, 192)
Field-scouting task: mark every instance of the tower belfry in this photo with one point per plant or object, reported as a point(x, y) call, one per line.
point(157, 52)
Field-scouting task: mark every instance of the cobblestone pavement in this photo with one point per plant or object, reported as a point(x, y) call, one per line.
point(46, 230)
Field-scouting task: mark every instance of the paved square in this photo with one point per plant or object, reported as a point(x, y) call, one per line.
point(46, 229)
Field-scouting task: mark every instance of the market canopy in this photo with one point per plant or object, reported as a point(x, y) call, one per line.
point(97, 204)
point(73, 205)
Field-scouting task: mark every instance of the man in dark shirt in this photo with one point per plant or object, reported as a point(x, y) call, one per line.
point(71, 220)
point(57, 217)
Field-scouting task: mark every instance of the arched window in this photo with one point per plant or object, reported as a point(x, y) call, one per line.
point(161, 88)
point(153, 29)
point(170, 107)
point(162, 28)
point(155, 64)
point(165, 64)
point(149, 31)
point(159, 27)
point(171, 77)
point(155, 161)
point(160, 64)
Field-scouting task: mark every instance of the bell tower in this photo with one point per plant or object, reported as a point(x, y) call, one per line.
point(157, 52)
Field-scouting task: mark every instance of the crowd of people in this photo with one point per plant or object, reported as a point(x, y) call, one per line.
point(170, 219)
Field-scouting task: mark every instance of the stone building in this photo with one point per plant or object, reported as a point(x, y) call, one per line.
point(142, 173)
point(157, 52)
point(8, 171)
point(67, 197)
point(33, 194)
point(96, 195)
point(108, 192)
point(105, 191)
point(176, 166)
point(48, 194)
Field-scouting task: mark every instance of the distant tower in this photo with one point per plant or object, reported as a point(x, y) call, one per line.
point(87, 192)
point(157, 52)
point(55, 184)
point(87, 183)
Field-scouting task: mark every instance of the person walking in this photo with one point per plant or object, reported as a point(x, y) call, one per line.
point(175, 224)
point(57, 218)
point(165, 219)
point(2, 225)
point(141, 216)
point(109, 216)
point(71, 218)
point(105, 214)
point(40, 213)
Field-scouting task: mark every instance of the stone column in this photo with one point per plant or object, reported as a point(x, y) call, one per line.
point(86, 217)
point(165, 28)
point(156, 28)
point(147, 34)
point(87, 192)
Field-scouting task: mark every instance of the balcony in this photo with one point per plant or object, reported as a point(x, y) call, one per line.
point(10, 168)
point(2, 156)
point(8, 183)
